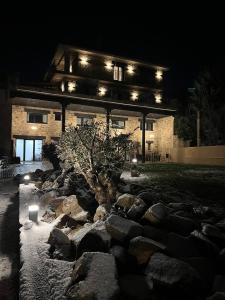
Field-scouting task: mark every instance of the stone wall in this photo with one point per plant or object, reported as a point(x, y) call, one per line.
point(161, 136)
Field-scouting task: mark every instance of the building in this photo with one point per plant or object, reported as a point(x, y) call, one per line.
point(83, 86)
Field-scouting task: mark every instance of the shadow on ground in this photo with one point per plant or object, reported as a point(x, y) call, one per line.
point(9, 247)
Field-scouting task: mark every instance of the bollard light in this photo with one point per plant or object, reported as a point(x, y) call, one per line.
point(33, 212)
point(134, 160)
point(26, 179)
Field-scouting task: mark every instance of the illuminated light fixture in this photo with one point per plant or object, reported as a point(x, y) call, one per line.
point(34, 127)
point(134, 96)
point(108, 65)
point(102, 91)
point(158, 98)
point(134, 160)
point(71, 86)
point(159, 75)
point(130, 69)
point(33, 212)
point(62, 86)
point(71, 67)
point(84, 60)
point(26, 179)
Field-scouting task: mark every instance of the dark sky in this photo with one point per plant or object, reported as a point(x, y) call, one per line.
point(185, 38)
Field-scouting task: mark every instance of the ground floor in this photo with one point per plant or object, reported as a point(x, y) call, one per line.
point(33, 126)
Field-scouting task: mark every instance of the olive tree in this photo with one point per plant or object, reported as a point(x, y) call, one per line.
point(96, 154)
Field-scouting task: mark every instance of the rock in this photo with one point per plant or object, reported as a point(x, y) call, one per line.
point(221, 262)
point(181, 225)
point(137, 209)
point(147, 197)
point(48, 196)
point(54, 203)
point(94, 277)
point(101, 213)
point(173, 274)
point(121, 229)
point(69, 206)
point(217, 296)
point(119, 253)
point(83, 216)
point(203, 211)
point(219, 284)
point(47, 185)
point(221, 225)
point(180, 206)
point(156, 214)
point(124, 188)
point(95, 240)
point(67, 222)
point(156, 234)
point(125, 200)
point(135, 188)
point(58, 237)
point(180, 247)
point(86, 200)
point(212, 231)
point(135, 287)
point(143, 248)
point(204, 245)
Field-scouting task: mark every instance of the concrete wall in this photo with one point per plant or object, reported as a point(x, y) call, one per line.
point(161, 136)
point(206, 155)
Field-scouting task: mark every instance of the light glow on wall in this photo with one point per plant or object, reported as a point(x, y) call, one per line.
point(158, 98)
point(108, 65)
point(34, 127)
point(71, 67)
point(84, 60)
point(130, 69)
point(134, 96)
point(159, 75)
point(102, 91)
point(71, 86)
point(62, 86)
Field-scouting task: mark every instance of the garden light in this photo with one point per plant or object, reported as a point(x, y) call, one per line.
point(134, 160)
point(33, 212)
point(26, 179)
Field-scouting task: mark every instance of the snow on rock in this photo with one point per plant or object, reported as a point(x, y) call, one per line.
point(41, 278)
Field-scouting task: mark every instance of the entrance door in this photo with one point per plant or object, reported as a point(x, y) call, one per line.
point(29, 149)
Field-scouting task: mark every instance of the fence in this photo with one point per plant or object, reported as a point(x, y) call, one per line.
point(7, 172)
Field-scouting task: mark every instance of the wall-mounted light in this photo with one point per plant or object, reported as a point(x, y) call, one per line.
point(134, 96)
point(158, 98)
point(108, 65)
point(71, 86)
point(130, 69)
point(84, 60)
point(34, 127)
point(62, 86)
point(102, 91)
point(71, 67)
point(159, 75)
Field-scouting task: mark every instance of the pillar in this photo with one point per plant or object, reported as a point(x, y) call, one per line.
point(64, 105)
point(143, 136)
point(108, 111)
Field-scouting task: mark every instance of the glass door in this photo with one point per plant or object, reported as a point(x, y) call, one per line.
point(38, 150)
point(20, 148)
point(29, 150)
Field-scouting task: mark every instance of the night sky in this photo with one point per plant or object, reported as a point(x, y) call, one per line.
point(187, 39)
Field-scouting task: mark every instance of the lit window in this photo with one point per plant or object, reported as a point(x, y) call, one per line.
point(158, 98)
point(102, 91)
point(81, 121)
point(130, 69)
point(71, 86)
point(36, 117)
point(84, 60)
point(134, 96)
point(120, 124)
point(159, 75)
point(57, 116)
point(117, 73)
point(148, 125)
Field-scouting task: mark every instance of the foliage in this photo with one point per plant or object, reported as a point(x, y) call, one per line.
point(97, 155)
point(49, 152)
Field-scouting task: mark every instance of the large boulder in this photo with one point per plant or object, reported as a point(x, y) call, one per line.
point(154, 233)
point(156, 214)
point(143, 248)
point(137, 209)
point(205, 246)
point(101, 213)
point(94, 277)
point(135, 287)
point(213, 232)
point(122, 229)
point(69, 206)
point(125, 200)
point(148, 197)
point(60, 245)
point(181, 225)
point(173, 274)
point(217, 296)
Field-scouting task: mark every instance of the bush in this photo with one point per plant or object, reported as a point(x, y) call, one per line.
point(49, 152)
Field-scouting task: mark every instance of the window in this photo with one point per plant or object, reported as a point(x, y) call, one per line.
point(120, 124)
point(117, 73)
point(58, 116)
point(37, 117)
point(84, 121)
point(148, 125)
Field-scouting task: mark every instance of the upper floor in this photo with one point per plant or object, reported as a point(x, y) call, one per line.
point(102, 75)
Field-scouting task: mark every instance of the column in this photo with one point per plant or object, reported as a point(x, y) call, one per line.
point(67, 59)
point(143, 136)
point(108, 111)
point(64, 105)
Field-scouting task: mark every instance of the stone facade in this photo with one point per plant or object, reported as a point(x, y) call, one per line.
point(160, 138)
